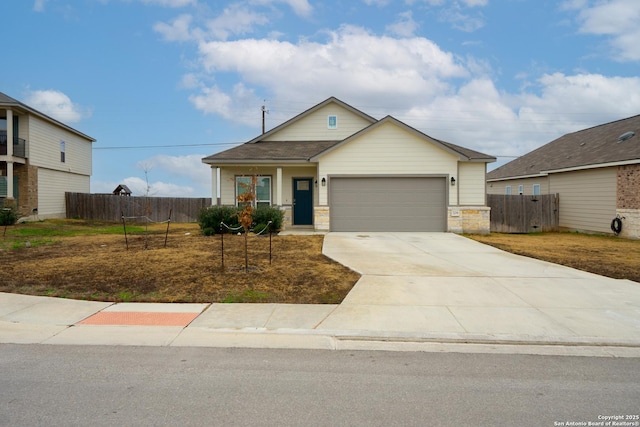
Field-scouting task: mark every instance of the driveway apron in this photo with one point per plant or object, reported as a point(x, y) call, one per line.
point(443, 284)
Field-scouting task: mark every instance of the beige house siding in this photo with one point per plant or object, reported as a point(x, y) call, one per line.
point(387, 150)
point(314, 126)
point(587, 198)
point(498, 187)
point(44, 148)
point(470, 184)
point(52, 185)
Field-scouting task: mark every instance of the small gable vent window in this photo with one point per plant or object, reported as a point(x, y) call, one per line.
point(626, 135)
point(332, 122)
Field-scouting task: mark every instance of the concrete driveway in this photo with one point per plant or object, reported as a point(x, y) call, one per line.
point(445, 285)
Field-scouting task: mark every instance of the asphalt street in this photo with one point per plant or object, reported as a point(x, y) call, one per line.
point(110, 385)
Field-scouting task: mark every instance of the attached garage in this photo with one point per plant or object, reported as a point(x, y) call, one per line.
point(388, 203)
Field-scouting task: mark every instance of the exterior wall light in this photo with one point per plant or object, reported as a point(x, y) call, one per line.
point(324, 182)
point(453, 181)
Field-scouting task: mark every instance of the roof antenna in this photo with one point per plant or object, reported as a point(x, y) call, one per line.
point(264, 111)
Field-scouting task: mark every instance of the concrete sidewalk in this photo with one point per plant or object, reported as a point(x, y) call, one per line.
point(418, 291)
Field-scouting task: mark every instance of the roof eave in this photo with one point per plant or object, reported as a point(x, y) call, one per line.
point(254, 161)
point(593, 166)
point(509, 178)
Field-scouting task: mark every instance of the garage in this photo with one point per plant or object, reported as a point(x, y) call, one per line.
point(388, 204)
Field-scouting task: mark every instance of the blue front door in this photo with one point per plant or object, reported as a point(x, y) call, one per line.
point(302, 201)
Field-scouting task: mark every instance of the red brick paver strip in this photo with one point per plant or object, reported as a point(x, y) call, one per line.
point(131, 318)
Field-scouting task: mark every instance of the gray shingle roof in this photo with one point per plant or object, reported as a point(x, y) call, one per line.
point(279, 151)
point(588, 147)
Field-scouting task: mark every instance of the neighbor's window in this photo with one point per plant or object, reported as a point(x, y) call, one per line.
point(62, 151)
point(332, 122)
point(536, 189)
point(262, 189)
point(507, 190)
point(521, 189)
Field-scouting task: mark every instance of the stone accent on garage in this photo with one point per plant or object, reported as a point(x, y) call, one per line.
point(469, 219)
point(321, 218)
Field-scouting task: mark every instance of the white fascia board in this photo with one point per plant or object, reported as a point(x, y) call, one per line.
point(594, 166)
point(510, 178)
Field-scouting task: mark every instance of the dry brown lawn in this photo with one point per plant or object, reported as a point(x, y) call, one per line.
point(605, 255)
point(75, 259)
point(62, 263)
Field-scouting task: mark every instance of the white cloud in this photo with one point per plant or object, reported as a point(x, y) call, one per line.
point(404, 26)
point(138, 187)
point(57, 105)
point(300, 7)
point(170, 3)
point(345, 65)
point(460, 20)
point(617, 19)
point(177, 30)
point(38, 5)
point(235, 19)
point(189, 166)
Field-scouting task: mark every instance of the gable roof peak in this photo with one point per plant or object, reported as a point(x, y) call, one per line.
point(330, 100)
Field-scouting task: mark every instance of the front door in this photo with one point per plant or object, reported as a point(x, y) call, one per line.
point(302, 201)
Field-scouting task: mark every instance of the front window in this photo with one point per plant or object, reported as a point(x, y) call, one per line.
point(521, 189)
point(507, 190)
point(260, 185)
point(536, 189)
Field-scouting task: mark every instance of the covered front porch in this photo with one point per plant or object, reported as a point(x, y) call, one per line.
point(295, 189)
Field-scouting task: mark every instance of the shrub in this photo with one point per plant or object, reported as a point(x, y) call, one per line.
point(8, 216)
point(209, 218)
point(264, 214)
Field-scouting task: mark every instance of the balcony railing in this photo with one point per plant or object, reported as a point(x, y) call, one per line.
point(19, 146)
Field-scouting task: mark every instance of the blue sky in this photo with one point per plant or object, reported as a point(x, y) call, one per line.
point(162, 83)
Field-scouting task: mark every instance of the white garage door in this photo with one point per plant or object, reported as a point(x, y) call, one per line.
point(388, 204)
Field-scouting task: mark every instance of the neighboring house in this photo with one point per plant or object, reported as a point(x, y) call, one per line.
point(595, 171)
point(40, 159)
point(336, 168)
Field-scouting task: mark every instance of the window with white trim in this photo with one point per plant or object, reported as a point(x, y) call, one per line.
point(332, 122)
point(521, 189)
point(536, 189)
point(507, 190)
point(62, 151)
point(260, 185)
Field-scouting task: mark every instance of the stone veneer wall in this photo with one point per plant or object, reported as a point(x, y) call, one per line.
point(628, 200)
point(27, 188)
point(469, 219)
point(287, 220)
point(321, 218)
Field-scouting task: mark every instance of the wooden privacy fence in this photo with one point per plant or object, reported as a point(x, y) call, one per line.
point(108, 207)
point(524, 214)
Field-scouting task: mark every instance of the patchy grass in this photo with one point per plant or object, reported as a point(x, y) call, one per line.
point(90, 261)
point(605, 255)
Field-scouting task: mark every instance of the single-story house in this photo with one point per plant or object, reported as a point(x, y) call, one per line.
point(595, 171)
point(335, 168)
point(40, 159)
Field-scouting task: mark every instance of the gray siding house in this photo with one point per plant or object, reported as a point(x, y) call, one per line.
point(595, 171)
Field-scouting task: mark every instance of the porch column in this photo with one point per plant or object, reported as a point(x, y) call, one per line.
point(214, 185)
point(279, 186)
point(9, 154)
